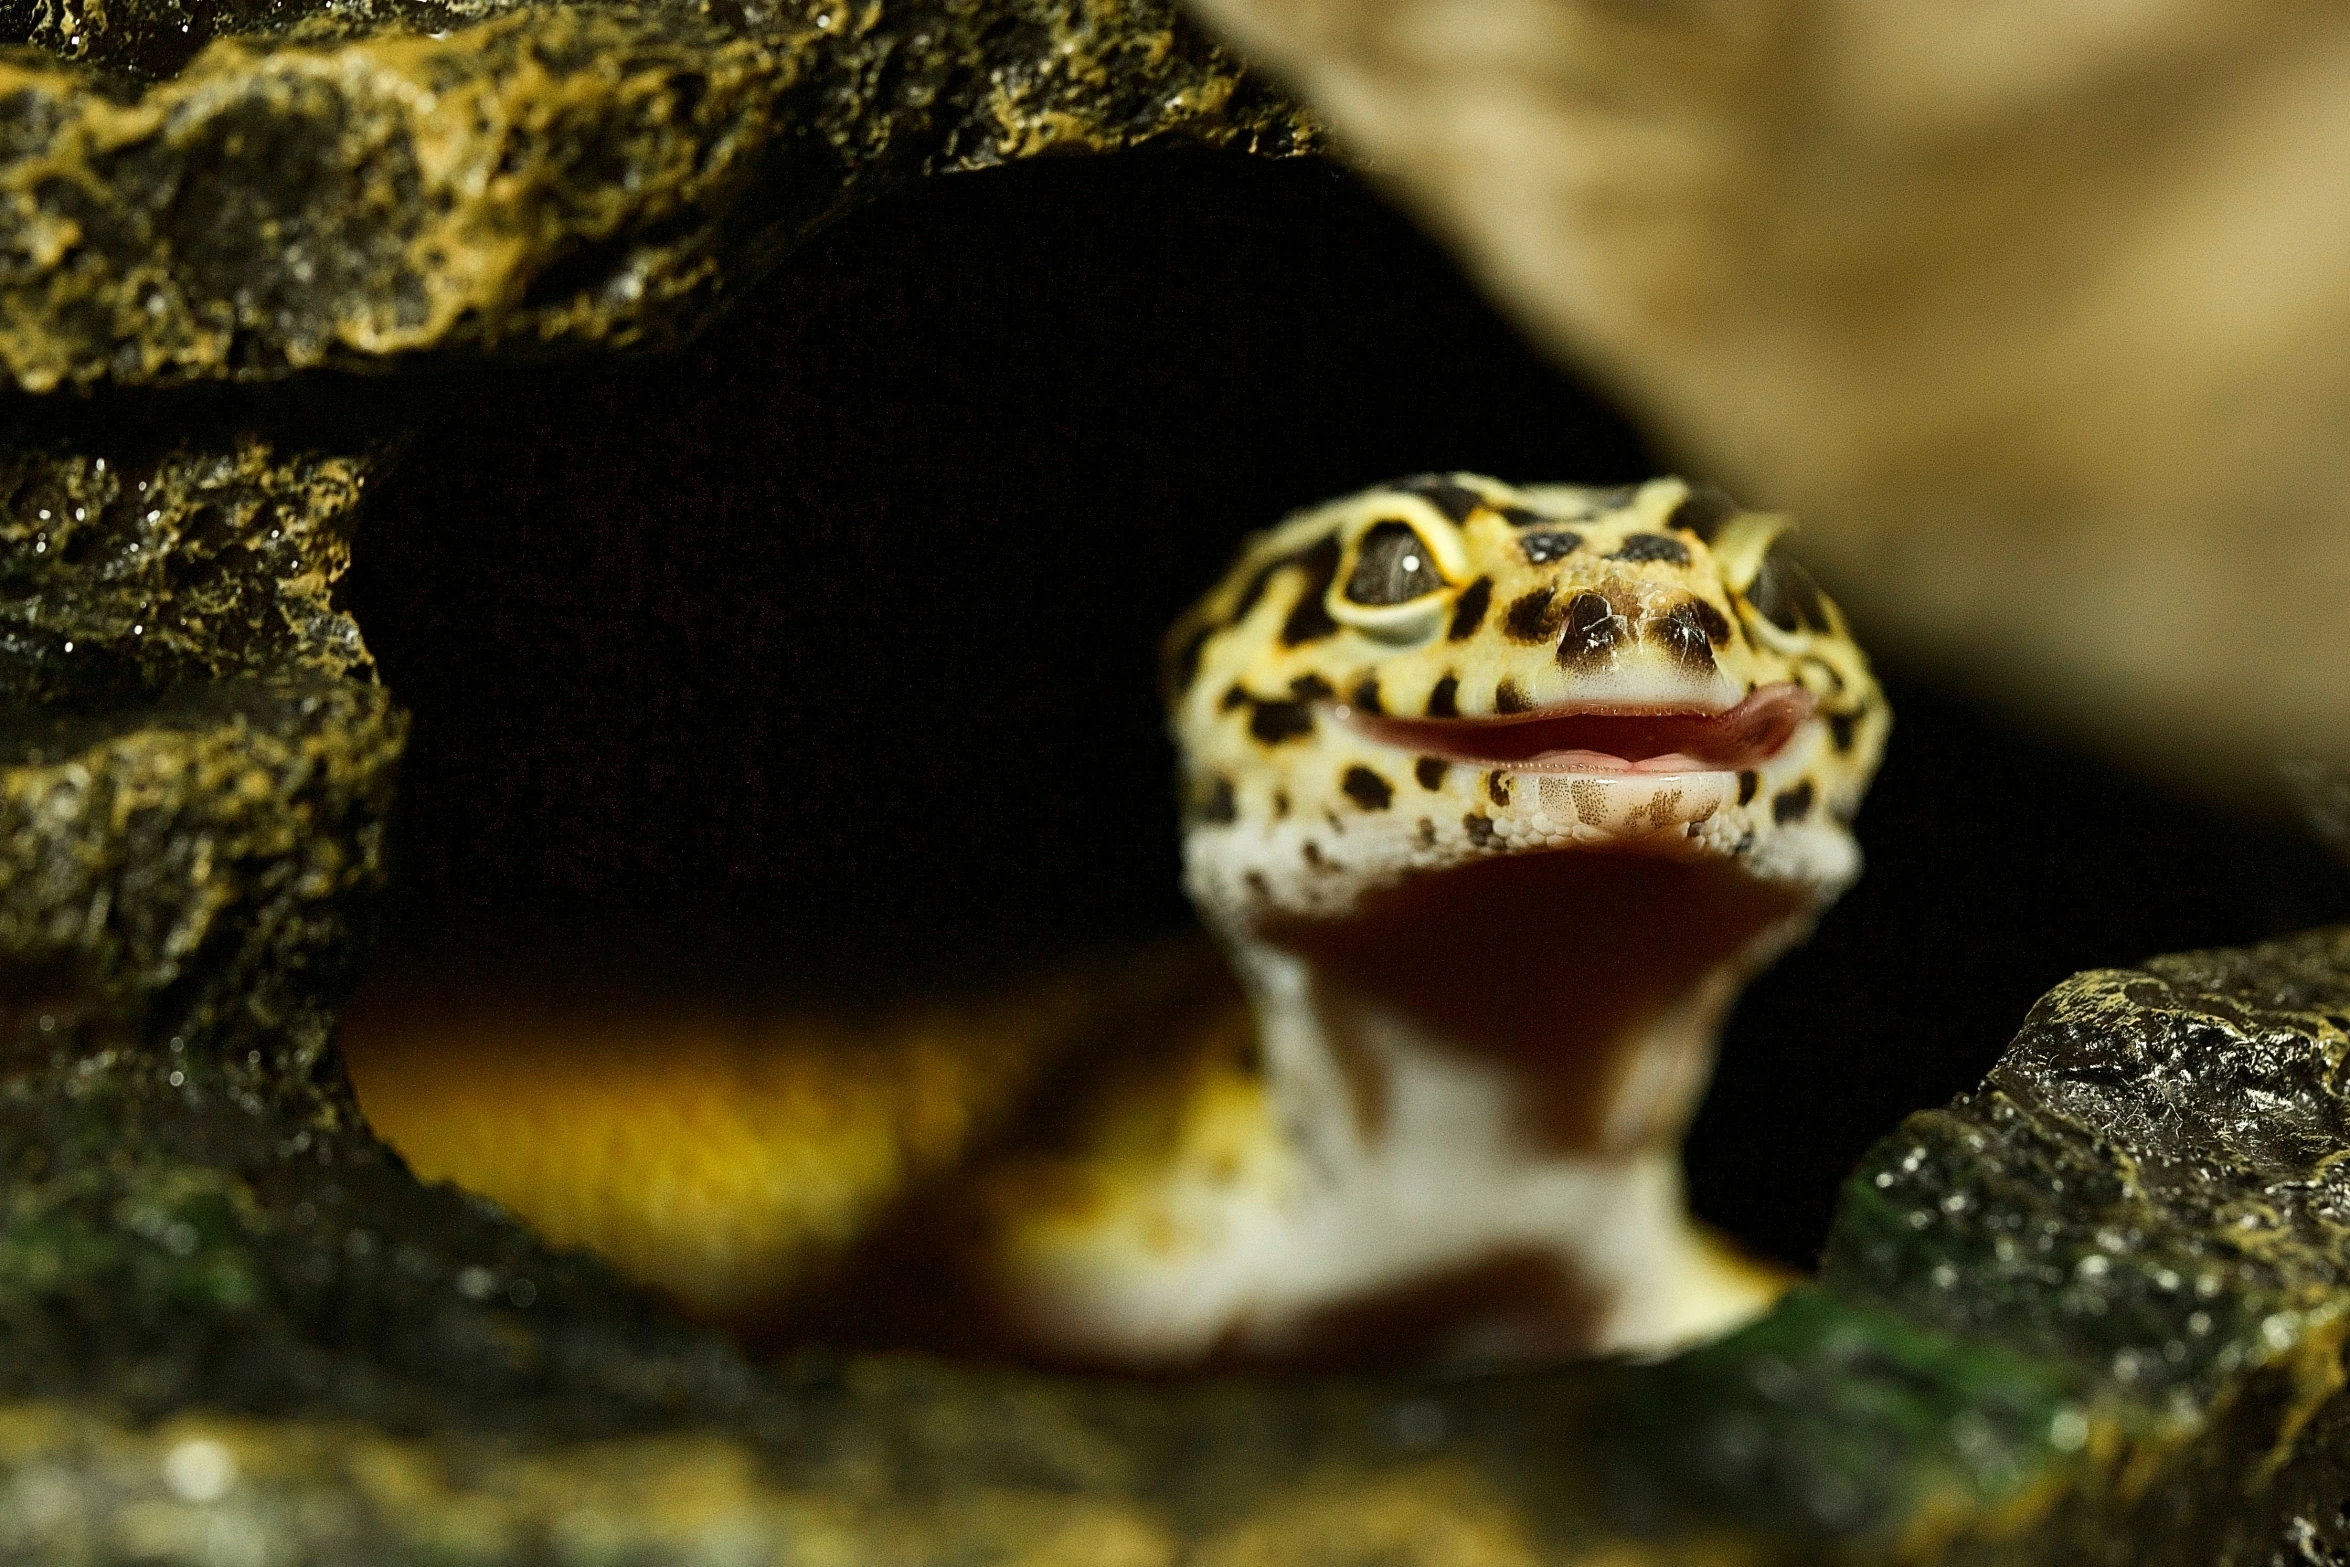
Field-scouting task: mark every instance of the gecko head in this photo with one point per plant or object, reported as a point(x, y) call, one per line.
point(1507, 717)
point(1448, 670)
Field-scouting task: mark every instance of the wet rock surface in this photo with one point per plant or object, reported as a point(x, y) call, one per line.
point(2111, 1276)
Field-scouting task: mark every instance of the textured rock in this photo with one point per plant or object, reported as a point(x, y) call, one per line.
point(194, 770)
point(345, 184)
point(186, 871)
point(2091, 1312)
point(160, 556)
point(2037, 316)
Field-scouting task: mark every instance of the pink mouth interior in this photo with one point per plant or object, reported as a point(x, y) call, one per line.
point(1607, 740)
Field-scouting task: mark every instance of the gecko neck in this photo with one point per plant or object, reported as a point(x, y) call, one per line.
point(1521, 1184)
point(1458, 1142)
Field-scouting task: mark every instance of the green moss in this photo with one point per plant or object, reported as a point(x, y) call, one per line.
point(176, 1236)
point(1828, 1419)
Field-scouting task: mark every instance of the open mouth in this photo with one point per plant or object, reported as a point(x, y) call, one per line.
point(1606, 739)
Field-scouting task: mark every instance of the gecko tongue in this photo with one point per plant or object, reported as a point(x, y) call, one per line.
point(1607, 739)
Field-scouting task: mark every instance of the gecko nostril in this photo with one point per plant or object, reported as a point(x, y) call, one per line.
point(1593, 629)
point(1689, 631)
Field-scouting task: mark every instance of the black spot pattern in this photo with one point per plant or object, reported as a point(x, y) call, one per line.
point(1366, 697)
point(1592, 629)
point(1549, 545)
point(1367, 789)
point(1507, 698)
point(1309, 621)
point(1216, 803)
point(1430, 770)
point(1311, 688)
point(1497, 788)
point(1445, 700)
point(1274, 722)
point(1427, 832)
point(1468, 612)
point(1531, 618)
point(1479, 827)
point(1840, 728)
point(1520, 517)
point(1792, 804)
point(1784, 594)
point(1652, 547)
point(1258, 581)
point(1708, 619)
point(1280, 805)
point(1747, 784)
point(1455, 501)
point(1234, 697)
point(1682, 640)
point(1703, 513)
point(1182, 666)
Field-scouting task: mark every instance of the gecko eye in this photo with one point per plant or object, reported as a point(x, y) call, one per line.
point(1784, 594)
point(1392, 566)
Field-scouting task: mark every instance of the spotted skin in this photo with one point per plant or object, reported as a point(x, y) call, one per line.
point(1485, 986)
point(1476, 999)
point(1652, 601)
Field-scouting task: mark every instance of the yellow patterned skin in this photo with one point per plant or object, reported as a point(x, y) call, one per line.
point(1494, 797)
point(779, 1173)
point(1265, 672)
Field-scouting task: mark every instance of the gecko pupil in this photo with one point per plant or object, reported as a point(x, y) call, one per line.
point(1392, 567)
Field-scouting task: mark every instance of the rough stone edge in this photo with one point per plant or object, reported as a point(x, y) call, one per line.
point(550, 180)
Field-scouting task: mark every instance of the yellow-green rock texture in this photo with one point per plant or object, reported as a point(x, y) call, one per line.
point(220, 192)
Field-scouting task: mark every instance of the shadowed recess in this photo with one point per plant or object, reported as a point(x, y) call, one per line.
point(819, 661)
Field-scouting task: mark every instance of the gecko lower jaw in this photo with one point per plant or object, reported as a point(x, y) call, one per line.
point(1607, 738)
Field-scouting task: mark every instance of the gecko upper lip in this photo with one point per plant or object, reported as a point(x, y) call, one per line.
point(1606, 738)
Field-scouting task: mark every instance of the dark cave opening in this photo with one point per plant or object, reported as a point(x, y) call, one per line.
point(818, 659)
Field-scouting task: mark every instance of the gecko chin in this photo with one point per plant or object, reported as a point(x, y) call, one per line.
point(1612, 738)
point(1630, 939)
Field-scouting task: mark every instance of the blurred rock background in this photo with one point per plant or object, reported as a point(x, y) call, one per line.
point(2038, 313)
